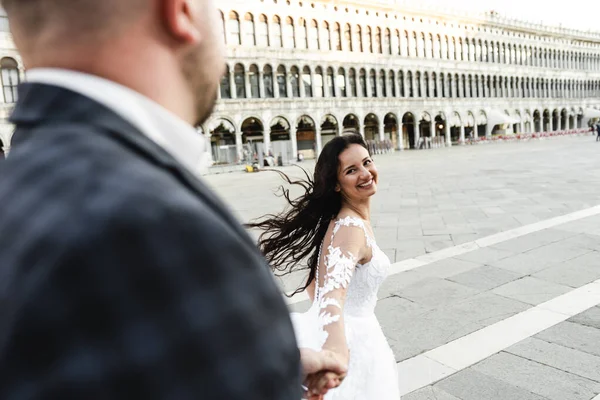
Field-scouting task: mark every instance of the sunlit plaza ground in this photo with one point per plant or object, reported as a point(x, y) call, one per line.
point(495, 288)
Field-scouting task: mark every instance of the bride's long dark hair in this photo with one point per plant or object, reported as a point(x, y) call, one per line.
point(296, 234)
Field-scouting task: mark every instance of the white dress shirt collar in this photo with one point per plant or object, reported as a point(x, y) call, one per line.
point(166, 129)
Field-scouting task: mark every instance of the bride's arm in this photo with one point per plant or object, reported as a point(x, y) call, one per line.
point(347, 247)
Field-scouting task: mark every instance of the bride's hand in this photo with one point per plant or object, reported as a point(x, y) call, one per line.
point(322, 371)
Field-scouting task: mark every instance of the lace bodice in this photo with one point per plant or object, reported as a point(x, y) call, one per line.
point(343, 285)
point(343, 314)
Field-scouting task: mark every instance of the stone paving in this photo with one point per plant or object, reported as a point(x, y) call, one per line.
point(433, 200)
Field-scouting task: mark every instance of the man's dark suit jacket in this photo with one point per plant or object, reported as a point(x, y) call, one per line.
point(121, 275)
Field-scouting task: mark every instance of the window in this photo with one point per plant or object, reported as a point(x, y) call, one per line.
point(302, 34)
point(225, 86)
point(249, 34)
point(327, 33)
point(254, 85)
point(268, 81)
point(233, 27)
point(382, 83)
point(387, 43)
point(295, 81)
point(426, 78)
point(401, 83)
point(378, 43)
point(392, 83)
point(220, 12)
point(359, 38)
point(418, 83)
point(331, 82)
point(281, 81)
point(352, 79)
point(363, 82)
point(431, 46)
point(435, 84)
point(369, 40)
point(373, 82)
point(263, 32)
point(289, 39)
point(337, 37)
point(341, 82)
point(313, 35)
point(306, 80)
point(318, 83)
point(277, 34)
point(348, 37)
point(411, 92)
point(240, 81)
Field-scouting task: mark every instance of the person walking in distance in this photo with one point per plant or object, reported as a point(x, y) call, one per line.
point(123, 276)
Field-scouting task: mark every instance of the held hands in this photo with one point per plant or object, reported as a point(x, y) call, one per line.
point(322, 371)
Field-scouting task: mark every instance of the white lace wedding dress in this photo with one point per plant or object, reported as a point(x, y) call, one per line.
point(372, 371)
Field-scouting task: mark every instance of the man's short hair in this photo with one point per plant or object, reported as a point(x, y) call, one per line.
point(71, 17)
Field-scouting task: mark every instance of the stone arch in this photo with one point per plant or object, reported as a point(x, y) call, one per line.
point(564, 119)
point(306, 136)
point(471, 131)
point(329, 129)
point(555, 120)
point(223, 140)
point(546, 124)
point(482, 123)
point(537, 121)
point(390, 129)
point(371, 127)
point(281, 140)
point(252, 139)
point(351, 124)
point(409, 130)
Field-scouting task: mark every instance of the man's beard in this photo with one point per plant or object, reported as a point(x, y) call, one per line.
point(204, 111)
point(204, 92)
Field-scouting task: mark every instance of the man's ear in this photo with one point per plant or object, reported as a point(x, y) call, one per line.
point(179, 19)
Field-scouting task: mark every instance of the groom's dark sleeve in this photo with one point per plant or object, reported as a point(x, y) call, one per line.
point(155, 302)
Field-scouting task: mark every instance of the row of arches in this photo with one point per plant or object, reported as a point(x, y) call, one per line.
point(294, 82)
point(286, 136)
point(301, 33)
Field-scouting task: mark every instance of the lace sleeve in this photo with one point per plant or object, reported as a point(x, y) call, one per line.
point(341, 256)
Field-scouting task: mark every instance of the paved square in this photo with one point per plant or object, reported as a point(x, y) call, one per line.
point(497, 252)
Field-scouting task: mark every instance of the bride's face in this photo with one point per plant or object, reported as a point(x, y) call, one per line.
point(357, 174)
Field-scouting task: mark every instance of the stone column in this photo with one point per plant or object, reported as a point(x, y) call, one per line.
point(247, 85)
point(261, 85)
point(400, 136)
point(239, 147)
point(381, 131)
point(232, 87)
point(448, 135)
point(318, 140)
point(294, 139)
point(267, 140)
point(417, 134)
point(361, 129)
point(288, 85)
point(301, 85)
point(432, 133)
point(462, 134)
point(208, 148)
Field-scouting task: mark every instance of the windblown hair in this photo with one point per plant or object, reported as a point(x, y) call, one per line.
point(296, 234)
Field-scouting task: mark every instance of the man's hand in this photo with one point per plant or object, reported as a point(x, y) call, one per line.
point(322, 371)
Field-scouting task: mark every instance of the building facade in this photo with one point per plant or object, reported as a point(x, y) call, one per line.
point(11, 74)
point(301, 72)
